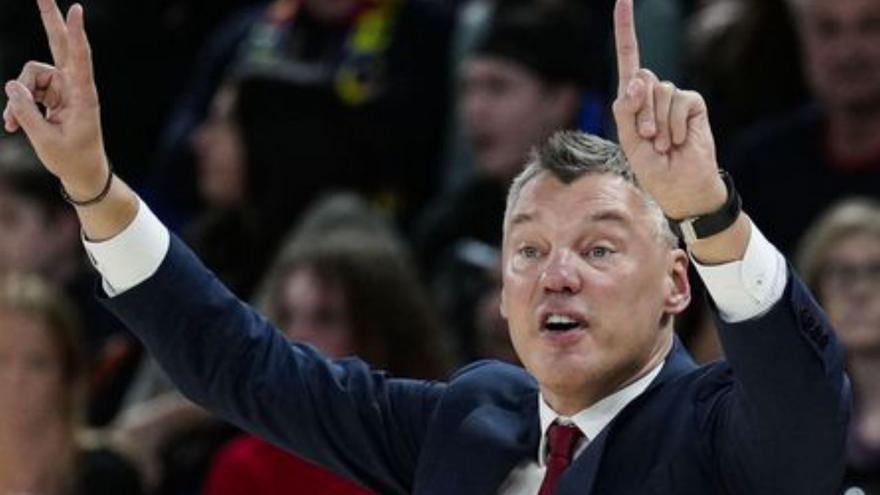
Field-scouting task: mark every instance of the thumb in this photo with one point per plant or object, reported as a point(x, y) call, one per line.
point(25, 111)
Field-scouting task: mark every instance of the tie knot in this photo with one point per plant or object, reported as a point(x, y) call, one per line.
point(562, 440)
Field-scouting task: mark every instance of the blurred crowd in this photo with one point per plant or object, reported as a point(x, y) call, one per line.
point(343, 165)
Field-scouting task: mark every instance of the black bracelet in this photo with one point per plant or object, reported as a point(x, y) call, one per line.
point(97, 199)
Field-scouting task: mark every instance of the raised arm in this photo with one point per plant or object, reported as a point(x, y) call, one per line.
point(67, 136)
point(778, 423)
point(665, 135)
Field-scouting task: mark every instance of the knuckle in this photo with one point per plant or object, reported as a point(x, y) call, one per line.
point(648, 75)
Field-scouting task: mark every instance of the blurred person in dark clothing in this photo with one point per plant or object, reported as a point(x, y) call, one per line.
point(829, 149)
point(726, 36)
point(840, 261)
point(523, 80)
point(349, 93)
point(43, 449)
point(224, 231)
point(345, 284)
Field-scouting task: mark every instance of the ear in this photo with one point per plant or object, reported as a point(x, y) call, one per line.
point(678, 287)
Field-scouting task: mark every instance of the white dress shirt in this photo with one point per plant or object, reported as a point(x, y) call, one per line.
point(741, 289)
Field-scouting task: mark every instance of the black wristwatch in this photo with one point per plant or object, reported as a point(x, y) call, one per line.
point(695, 228)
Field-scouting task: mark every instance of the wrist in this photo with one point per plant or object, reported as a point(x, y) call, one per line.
point(87, 182)
point(88, 189)
point(717, 219)
point(707, 201)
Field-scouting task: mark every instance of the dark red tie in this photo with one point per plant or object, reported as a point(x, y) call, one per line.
point(562, 440)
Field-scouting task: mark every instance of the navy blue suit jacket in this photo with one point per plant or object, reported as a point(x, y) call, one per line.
point(770, 420)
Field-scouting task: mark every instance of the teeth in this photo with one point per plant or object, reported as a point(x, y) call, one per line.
point(559, 320)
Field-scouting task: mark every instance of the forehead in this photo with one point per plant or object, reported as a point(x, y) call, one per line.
point(598, 196)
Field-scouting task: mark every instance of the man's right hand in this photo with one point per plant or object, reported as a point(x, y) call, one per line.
point(67, 137)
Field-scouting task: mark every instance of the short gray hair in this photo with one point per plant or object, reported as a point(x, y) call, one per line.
point(569, 155)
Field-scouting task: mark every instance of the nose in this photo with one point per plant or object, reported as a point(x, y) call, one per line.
point(560, 273)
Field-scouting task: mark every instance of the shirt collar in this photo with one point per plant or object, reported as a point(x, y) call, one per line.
point(592, 420)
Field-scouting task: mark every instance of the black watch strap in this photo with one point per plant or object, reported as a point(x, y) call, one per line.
point(700, 227)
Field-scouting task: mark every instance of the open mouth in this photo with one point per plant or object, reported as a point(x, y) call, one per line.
point(554, 322)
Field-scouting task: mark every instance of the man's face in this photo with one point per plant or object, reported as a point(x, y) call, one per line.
point(850, 289)
point(588, 286)
point(842, 52)
point(507, 110)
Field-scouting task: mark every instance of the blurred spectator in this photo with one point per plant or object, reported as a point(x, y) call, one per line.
point(523, 80)
point(727, 36)
point(830, 149)
point(346, 285)
point(348, 93)
point(42, 379)
point(40, 234)
point(839, 259)
point(224, 231)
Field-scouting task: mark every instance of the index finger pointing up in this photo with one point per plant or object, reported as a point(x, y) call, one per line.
point(626, 42)
point(56, 30)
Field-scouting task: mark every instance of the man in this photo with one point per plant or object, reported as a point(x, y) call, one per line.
point(591, 284)
point(831, 148)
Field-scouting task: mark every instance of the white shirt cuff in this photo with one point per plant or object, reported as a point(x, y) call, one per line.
point(747, 288)
point(131, 256)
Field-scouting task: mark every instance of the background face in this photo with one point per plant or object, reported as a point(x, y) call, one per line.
point(314, 311)
point(506, 111)
point(850, 288)
point(842, 52)
point(220, 154)
point(31, 385)
point(26, 234)
point(589, 251)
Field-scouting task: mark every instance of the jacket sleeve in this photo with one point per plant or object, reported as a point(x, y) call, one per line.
point(357, 422)
point(779, 423)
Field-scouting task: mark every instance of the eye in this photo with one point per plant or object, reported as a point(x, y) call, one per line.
point(599, 252)
point(530, 252)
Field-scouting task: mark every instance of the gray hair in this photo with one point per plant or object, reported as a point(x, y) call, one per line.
point(569, 155)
